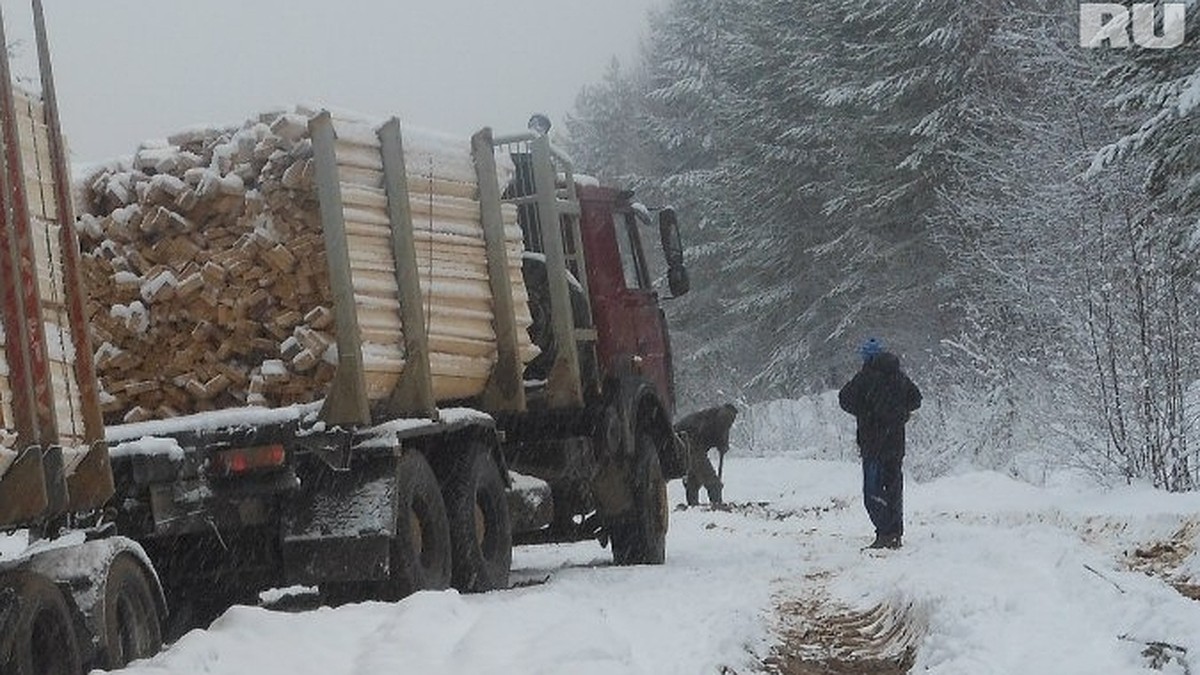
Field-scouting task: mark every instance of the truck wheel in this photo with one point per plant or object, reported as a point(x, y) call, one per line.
point(640, 537)
point(420, 551)
point(132, 626)
point(480, 532)
point(43, 638)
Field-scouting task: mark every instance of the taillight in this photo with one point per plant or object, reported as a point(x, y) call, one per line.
point(245, 460)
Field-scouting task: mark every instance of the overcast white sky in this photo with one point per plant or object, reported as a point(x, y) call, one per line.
point(129, 70)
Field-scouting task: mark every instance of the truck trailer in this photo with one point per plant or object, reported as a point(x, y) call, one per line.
point(399, 475)
point(73, 594)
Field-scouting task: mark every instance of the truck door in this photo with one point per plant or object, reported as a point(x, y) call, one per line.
point(634, 320)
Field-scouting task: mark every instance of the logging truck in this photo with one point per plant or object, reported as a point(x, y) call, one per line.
point(497, 365)
point(489, 363)
point(73, 595)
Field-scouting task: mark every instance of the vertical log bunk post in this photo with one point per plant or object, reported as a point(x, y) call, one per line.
point(413, 393)
point(346, 403)
point(91, 484)
point(505, 388)
point(569, 216)
point(563, 386)
point(27, 489)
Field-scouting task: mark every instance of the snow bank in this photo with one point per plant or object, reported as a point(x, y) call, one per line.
point(1018, 578)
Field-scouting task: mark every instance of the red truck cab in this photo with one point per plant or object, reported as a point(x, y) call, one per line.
point(623, 280)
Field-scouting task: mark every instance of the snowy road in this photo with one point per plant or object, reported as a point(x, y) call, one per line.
point(995, 577)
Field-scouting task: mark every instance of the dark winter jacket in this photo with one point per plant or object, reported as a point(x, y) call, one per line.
point(881, 398)
point(708, 428)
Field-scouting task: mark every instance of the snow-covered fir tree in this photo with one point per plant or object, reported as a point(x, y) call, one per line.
point(948, 175)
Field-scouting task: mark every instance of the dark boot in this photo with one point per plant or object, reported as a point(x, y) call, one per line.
point(885, 541)
point(714, 494)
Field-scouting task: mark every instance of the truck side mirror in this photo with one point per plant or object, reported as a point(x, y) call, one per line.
point(672, 245)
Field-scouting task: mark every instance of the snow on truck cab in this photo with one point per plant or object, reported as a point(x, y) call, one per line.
point(500, 368)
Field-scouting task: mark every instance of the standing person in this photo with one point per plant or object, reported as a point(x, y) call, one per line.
point(881, 398)
point(703, 430)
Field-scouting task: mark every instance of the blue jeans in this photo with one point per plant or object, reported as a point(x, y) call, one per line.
point(883, 494)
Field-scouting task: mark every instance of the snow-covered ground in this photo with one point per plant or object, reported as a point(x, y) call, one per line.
point(996, 576)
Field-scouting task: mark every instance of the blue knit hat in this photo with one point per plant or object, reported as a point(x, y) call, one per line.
point(870, 348)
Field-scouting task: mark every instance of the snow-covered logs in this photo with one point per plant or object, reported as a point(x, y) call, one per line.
point(209, 283)
point(450, 260)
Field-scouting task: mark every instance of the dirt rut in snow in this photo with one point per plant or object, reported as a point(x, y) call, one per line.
point(817, 639)
point(1163, 559)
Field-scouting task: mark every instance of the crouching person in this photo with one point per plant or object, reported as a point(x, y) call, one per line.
point(702, 431)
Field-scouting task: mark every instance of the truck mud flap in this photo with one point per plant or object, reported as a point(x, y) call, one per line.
point(340, 529)
point(676, 461)
point(530, 505)
point(35, 486)
point(91, 484)
point(23, 495)
point(309, 562)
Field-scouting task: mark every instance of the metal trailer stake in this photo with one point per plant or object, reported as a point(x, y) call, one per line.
point(413, 393)
point(505, 388)
point(347, 402)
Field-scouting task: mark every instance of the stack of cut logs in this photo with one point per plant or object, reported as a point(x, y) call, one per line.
point(45, 235)
point(451, 263)
point(205, 263)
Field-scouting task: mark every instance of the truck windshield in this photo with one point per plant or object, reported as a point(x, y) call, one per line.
point(645, 267)
point(632, 258)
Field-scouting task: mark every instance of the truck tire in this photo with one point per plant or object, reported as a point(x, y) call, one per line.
point(640, 536)
point(132, 625)
point(420, 551)
point(43, 639)
point(480, 531)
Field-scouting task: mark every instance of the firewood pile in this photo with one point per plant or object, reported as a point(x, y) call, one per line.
point(205, 263)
